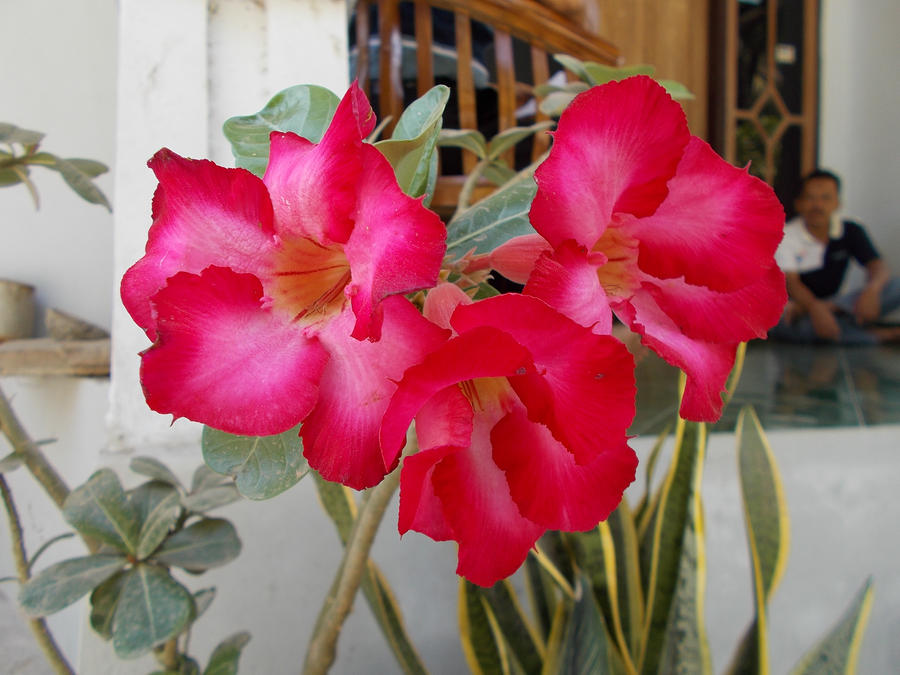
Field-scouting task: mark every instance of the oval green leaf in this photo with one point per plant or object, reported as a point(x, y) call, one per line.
point(211, 542)
point(160, 518)
point(304, 109)
point(104, 600)
point(263, 466)
point(100, 508)
point(152, 608)
point(211, 498)
point(153, 468)
point(61, 584)
point(224, 659)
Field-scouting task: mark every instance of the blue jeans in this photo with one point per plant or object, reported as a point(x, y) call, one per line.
point(801, 329)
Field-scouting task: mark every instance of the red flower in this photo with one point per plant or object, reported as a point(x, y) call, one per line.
point(675, 241)
point(521, 420)
point(251, 290)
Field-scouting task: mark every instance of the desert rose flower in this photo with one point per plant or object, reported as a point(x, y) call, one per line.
point(647, 220)
point(521, 419)
point(270, 301)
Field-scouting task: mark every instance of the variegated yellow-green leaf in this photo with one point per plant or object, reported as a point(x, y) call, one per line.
point(520, 634)
point(838, 651)
point(479, 633)
point(585, 647)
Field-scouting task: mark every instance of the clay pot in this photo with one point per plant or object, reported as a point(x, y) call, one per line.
point(16, 310)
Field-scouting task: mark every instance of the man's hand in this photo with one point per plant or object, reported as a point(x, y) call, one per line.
point(824, 322)
point(868, 306)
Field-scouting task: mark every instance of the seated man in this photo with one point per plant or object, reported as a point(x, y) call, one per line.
point(814, 256)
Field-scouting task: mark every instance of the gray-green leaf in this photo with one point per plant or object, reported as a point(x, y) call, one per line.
point(208, 543)
point(104, 600)
point(101, 509)
point(467, 139)
point(152, 608)
point(61, 584)
point(10, 133)
point(304, 109)
point(153, 468)
point(224, 659)
point(157, 523)
point(263, 466)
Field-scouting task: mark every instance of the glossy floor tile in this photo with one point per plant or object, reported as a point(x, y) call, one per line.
point(790, 386)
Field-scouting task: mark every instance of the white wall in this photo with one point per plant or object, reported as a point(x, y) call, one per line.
point(859, 102)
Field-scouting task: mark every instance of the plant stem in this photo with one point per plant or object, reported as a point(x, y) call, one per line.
point(34, 459)
point(38, 627)
point(322, 648)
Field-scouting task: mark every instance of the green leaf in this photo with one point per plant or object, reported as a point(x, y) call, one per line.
point(61, 584)
point(224, 659)
point(153, 468)
point(10, 133)
point(47, 544)
point(411, 148)
point(517, 631)
point(510, 137)
point(304, 109)
point(768, 535)
point(160, 518)
point(11, 462)
point(498, 174)
point(494, 220)
point(479, 634)
point(81, 183)
point(677, 90)
point(211, 498)
point(541, 595)
point(585, 646)
point(22, 174)
point(205, 478)
point(664, 545)
point(467, 139)
point(89, 167)
point(104, 601)
point(838, 651)
point(9, 177)
point(101, 509)
point(263, 466)
point(553, 104)
point(152, 608)
point(597, 73)
point(202, 600)
point(211, 542)
point(573, 65)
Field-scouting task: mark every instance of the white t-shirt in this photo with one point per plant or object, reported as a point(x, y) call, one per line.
point(801, 252)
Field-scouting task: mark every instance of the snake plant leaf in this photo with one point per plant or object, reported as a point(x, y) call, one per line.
point(153, 468)
point(768, 536)
point(225, 657)
point(208, 543)
point(101, 509)
point(479, 633)
point(61, 584)
point(663, 546)
point(337, 501)
point(495, 219)
point(263, 466)
point(541, 595)
point(518, 632)
point(838, 651)
point(304, 109)
point(104, 601)
point(585, 648)
point(630, 595)
point(411, 147)
point(152, 608)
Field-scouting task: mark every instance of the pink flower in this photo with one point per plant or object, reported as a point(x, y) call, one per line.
point(648, 221)
point(521, 420)
point(251, 290)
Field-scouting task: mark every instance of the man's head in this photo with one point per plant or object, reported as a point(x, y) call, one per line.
point(819, 198)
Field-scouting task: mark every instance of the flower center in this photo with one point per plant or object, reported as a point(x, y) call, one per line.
point(619, 274)
point(308, 280)
point(488, 393)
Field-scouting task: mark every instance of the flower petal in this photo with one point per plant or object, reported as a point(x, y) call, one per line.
point(516, 258)
point(396, 246)
point(221, 360)
point(441, 302)
point(546, 483)
point(420, 508)
point(203, 214)
point(494, 538)
point(736, 316)
point(482, 352)
point(584, 391)
point(567, 281)
point(706, 364)
point(313, 187)
point(340, 436)
point(615, 148)
point(719, 226)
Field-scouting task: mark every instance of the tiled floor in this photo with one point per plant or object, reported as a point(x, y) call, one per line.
point(790, 386)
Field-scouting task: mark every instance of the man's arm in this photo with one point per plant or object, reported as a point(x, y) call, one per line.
point(820, 312)
point(868, 305)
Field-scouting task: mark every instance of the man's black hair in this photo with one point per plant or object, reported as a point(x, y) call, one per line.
point(820, 173)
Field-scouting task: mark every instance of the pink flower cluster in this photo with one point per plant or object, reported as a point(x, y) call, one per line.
point(284, 300)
